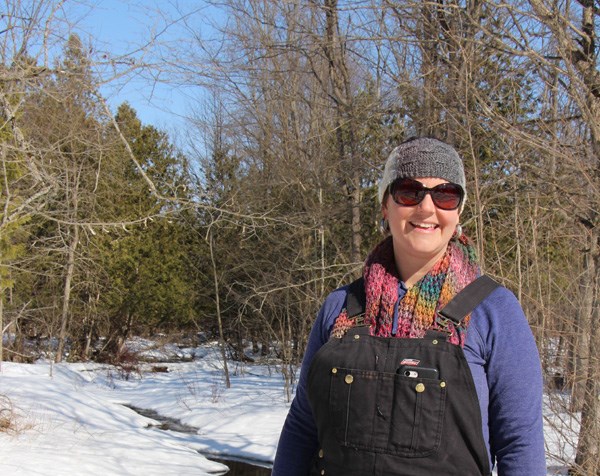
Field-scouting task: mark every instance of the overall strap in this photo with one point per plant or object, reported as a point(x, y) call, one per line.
point(468, 299)
point(356, 299)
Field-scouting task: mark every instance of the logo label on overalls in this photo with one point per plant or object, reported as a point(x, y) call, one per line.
point(413, 362)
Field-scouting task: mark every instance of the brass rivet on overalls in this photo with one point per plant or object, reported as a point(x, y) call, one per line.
point(443, 384)
point(349, 379)
point(321, 453)
point(356, 336)
point(334, 370)
point(434, 341)
point(420, 388)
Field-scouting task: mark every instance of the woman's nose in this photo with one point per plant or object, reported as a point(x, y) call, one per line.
point(427, 203)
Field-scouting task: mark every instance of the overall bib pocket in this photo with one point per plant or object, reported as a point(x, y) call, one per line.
point(385, 412)
point(417, 415)
point(351, 400)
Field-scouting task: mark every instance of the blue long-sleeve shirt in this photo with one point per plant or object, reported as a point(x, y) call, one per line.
point(505, 365)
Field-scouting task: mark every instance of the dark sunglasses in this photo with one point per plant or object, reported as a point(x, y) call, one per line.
point(408, 193)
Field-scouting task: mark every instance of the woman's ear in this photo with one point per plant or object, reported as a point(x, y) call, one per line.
point(384, 224)
point(384, 207)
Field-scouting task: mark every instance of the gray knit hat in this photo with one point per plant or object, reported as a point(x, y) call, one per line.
point(423, 157)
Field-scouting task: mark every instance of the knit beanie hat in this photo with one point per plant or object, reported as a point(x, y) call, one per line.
point(423, 157)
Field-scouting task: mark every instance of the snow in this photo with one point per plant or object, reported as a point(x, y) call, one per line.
point(74, 418)
point(79, 418)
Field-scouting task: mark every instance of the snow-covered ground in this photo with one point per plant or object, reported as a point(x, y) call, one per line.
point(75, 419)
point(72, 419)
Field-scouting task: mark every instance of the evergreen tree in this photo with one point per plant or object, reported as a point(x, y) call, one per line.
point(62, 118)
point(146, 284)
point(12, 235)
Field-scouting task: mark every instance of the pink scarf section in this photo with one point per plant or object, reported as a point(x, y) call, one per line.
point(417, 310)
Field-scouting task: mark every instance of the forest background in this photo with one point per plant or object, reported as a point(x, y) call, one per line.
point(238, 225)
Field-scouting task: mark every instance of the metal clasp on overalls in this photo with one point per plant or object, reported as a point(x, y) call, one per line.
point(445, 324)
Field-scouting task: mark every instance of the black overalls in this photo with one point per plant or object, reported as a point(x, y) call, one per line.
point(397, 406)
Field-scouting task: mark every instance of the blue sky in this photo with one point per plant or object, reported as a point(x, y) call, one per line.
point(119, 27)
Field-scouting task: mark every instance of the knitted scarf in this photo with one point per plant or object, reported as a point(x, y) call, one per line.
point(417, 310)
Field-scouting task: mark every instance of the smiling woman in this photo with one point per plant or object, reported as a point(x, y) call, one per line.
point(421, 231)
point(410, 369)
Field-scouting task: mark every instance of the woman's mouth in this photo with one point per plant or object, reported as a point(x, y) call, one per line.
point(424, 226)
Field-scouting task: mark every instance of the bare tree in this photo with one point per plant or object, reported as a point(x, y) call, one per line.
point(25, 41)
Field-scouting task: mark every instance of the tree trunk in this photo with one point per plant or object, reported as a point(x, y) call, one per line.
point(588, 449)
point(218, 310)
point(580, 340)
point(1, 327)
point(341, 93)
point(356, 220)
point(67, 293)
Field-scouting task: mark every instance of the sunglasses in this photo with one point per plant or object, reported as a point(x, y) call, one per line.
point(408, 193)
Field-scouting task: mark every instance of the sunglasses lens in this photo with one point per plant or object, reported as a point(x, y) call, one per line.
point(447, 196)
point(407, 192)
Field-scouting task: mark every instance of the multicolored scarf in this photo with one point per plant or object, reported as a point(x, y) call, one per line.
point(417, 310)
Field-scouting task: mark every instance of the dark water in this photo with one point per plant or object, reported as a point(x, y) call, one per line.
point(236, 467)
point(163, 422)
point(240, 468)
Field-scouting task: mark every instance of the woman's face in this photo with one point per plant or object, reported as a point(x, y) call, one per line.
point(420, 232)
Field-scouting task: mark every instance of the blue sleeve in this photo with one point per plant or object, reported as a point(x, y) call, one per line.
point(514, 380)
point(298, 443)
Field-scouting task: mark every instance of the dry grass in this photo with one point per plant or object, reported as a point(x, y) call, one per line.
point(8, 423)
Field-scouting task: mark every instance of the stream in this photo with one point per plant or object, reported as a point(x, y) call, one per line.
point(237, 466)
point(242, 468)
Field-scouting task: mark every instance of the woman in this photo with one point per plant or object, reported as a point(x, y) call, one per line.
point(383, 394)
